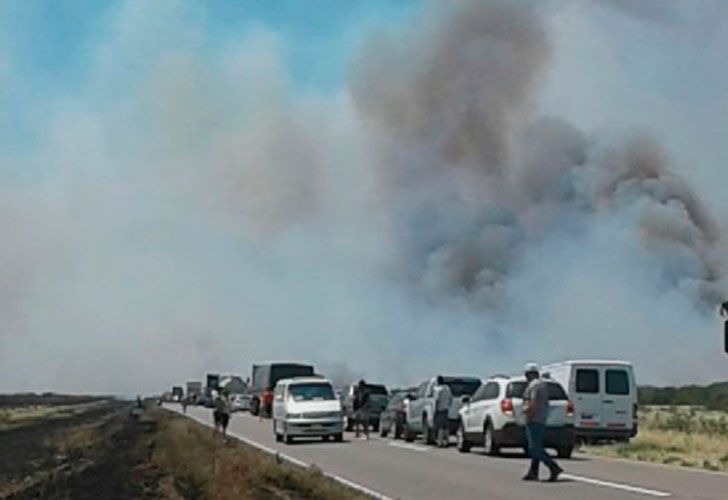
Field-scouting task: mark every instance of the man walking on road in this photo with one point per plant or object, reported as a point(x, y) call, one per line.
point(361, 409)
point(536, 408)
point(443, 400)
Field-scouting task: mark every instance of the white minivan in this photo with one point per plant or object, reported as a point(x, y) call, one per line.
point(604, 394)
point(306, 407)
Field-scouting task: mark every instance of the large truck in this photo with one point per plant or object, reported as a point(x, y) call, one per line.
point(194, 391)
point(177, 393)
point(212, 385)
point(266, 376)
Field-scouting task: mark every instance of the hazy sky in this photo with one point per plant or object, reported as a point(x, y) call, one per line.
point(386, 188)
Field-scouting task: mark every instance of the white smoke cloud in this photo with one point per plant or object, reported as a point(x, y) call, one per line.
point(194, 212)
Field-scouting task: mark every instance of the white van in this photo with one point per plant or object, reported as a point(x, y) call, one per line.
point(604, 394)
point(306, 407)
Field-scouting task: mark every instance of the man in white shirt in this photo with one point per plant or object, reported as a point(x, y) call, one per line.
point(443, 400)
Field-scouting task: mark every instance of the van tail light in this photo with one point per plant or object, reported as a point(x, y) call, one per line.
point(569, 407)
point(506, 406)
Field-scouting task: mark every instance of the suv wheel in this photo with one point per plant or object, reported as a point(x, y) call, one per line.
point(348, 424)
point(462, 441)
point(429, 433)
point(489, 443)
point(279, 438)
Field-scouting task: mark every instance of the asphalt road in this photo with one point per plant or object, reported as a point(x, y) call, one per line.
point(394, 469)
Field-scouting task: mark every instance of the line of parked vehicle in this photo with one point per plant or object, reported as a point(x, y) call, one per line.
point(590, 400)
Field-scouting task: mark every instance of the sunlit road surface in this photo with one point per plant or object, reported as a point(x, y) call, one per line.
point(395, 469)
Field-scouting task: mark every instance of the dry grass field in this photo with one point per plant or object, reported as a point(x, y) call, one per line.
point(98, 450)
point(688, 436)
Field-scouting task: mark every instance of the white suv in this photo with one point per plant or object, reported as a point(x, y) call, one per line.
point(494, 417)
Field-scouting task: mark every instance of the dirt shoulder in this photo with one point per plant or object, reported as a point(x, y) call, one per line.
point(98, 450)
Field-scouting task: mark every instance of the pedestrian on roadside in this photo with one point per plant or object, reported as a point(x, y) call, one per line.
point(223, 407)
point(216, 411)
point(361, 409)
point(443, 400)
point(185, 402)
point(536, 408)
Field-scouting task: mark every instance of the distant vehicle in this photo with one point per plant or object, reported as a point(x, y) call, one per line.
point(392, 420)
point(378, 397)
point(604, 394)
point(266, 376)
point(240, 402)
point(194, 391)
point(305, 407)
point(212, 383)
point(494, 419)
point(233, 384)
point(177, 393)
point(421, 407)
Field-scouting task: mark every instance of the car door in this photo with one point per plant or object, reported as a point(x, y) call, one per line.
point(414, 408)
point(618, 398)
point(468, 410)
point(489, 398)
point(279, 402)
point(587, 390)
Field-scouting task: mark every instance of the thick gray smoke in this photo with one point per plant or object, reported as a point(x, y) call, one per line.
point(189, 211)
point(483, 179)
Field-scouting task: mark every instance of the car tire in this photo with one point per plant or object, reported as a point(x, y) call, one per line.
point(348, 424)
point(338, 437)
point(564, 452)
point(397, 431)
point(375, 426)
point(489, 442)
point(409, 436)
point(463, 445)
point(383, 431)
point(427, 432)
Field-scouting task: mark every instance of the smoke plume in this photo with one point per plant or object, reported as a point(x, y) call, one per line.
point(189, 210)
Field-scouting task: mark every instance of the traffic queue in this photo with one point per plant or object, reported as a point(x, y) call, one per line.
point(586, 401)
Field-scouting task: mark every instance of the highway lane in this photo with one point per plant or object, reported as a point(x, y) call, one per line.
point(400, 470)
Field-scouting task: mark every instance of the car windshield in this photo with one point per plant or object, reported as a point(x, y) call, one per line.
point(377, 389)
point(462, 386)
point(515, 390)
point(311, 392)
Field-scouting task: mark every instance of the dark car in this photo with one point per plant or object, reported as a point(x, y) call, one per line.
point(378, 397)
point(394, 416)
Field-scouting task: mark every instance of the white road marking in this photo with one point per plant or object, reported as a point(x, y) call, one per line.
point(617, 486)
point(293, 460)
point(406, 446)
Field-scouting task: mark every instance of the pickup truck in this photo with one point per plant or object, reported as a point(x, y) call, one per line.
point(420, 417)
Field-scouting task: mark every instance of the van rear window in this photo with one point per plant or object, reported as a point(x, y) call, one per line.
point(617, 382)
point(587, 380)
point(556, 392)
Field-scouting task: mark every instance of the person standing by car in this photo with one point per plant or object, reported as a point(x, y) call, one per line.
point(536, 408)
point(222, 413)
point(361, 408)
point(443, 400)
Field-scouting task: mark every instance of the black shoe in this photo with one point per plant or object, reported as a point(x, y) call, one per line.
point(555, 473)
point(530, 477)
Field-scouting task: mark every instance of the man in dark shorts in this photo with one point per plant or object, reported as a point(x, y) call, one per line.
point(361, 409)
point(222, 413)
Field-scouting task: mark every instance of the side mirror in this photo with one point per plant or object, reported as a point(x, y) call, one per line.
point(466, 400)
